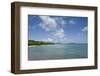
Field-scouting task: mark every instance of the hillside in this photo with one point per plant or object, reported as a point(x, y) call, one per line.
point(33, 42)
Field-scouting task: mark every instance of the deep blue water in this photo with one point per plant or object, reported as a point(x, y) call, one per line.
point(58, 51)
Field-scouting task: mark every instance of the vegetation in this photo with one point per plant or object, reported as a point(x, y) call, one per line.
point(33, 42)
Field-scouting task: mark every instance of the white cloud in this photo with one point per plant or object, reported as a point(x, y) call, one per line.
point(60, 20)
point(50, 39)
point(85, 29)
point(72, 21)
point(53, 26)
point(48, 23)
point(63, 39)
point(59, 33)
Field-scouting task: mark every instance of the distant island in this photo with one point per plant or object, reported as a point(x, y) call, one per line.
point(33, 42)
point(75, 43)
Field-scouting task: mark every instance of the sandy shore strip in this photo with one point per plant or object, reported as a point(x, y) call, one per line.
point(33, 46)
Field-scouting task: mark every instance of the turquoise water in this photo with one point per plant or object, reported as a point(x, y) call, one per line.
point(58, 51)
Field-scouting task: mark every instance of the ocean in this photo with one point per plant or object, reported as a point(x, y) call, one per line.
point(58, 51)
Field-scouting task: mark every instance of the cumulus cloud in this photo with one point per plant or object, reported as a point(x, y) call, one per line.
point(53, 25)
point(85, 29)
point(48, 23)
point(59, 33)
point(50, 39)
point(72, 21)
point(60, 20)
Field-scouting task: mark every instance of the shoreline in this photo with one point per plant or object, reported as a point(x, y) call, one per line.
point(48, 44)
point(39, 45)
point(33, 45)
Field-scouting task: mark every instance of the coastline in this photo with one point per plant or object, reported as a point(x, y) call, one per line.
point(39, 45)
point(50, 44)
point(32, 45)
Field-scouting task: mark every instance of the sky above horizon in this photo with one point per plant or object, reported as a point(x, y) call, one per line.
point(65, 29)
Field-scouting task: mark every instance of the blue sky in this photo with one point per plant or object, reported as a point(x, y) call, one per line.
point(65, 29)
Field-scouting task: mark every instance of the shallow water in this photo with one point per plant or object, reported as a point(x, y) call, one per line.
point(58, 51)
